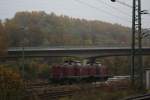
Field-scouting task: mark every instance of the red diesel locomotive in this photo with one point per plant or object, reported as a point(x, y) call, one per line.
point(71, 72)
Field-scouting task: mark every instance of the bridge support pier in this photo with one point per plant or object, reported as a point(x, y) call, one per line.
point(91, 60)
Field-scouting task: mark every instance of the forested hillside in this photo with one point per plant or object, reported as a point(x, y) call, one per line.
point(41, 29)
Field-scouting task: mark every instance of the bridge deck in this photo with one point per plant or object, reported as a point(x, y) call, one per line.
point(73, 51)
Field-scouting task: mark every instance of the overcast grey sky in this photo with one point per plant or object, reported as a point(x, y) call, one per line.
point(89, 9)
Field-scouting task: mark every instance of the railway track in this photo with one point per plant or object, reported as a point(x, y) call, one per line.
point(43, 91)
point(56, 94)
point(139, 97)
point(44, 95)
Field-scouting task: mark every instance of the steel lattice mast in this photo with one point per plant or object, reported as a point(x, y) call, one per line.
point(136, 34)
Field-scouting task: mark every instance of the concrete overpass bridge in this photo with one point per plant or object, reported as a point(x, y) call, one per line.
point(85, 52)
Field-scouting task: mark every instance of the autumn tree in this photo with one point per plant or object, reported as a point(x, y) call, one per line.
point(3, 42)
point(13, 33)
point(11, 85)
